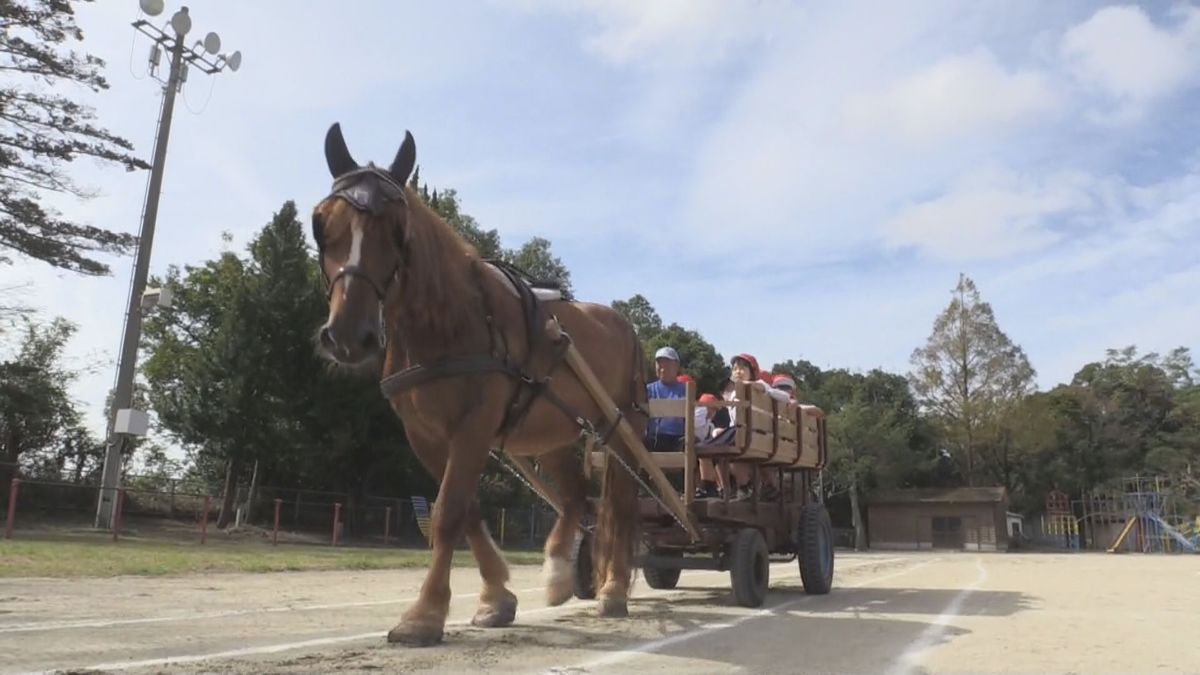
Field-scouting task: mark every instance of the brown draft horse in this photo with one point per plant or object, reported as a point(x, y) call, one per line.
point(471, 362)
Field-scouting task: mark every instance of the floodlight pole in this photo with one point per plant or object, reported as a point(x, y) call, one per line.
point(180, 60)
point(123, 397)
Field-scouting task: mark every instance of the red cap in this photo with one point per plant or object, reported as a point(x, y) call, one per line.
point(748, 359)
point(705, 399)
point(684, 378)
point(766, 377)
point(783, 378)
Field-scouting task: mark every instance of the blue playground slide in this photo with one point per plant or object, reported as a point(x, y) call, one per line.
point(1184, 542)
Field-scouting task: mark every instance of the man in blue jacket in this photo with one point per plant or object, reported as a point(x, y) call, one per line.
point(664, 434)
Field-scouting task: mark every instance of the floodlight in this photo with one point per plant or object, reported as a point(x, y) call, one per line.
point(181, 22)
point(152, 7)
point(212, 43)
point(234, 60)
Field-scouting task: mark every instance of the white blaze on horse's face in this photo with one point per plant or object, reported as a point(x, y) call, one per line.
point(353, 332)
point(355, 259)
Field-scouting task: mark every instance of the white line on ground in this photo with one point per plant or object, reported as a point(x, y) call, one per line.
point(613, 658)
point(340, 639)
point(109, 623)
point(907, 661)
point(106, 623)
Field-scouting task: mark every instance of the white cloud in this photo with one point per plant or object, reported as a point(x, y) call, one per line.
point(989, 215)
point(961, 96)
point(670, 33)
point(1121, 53)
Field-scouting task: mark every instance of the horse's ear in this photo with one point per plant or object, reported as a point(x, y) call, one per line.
point(337, 156)
point(406, 159)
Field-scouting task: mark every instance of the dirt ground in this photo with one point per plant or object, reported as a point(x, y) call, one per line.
point(888, 613)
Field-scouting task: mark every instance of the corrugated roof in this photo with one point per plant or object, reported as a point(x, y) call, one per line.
point(942, 495)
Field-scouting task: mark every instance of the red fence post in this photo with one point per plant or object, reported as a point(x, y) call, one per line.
point(275, 531)
point(204, 520)
point(387, 524)
point(337, 512)
point(12, 507)
point(116, 524)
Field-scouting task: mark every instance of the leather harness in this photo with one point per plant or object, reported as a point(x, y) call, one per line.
point(370, 190)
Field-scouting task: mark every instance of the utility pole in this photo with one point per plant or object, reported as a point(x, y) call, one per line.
point(125, 422)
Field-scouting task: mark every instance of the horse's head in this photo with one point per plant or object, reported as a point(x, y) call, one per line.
point(359, 230)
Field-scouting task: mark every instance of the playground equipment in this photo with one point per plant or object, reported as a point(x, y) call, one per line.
point(1059, 522)
point(1148, 515)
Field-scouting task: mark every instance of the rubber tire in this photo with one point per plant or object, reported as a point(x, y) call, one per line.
point(662, 578)
point(750, 568)
point(815, 549)
point(581, 561)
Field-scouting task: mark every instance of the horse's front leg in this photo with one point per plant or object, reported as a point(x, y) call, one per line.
point(497, 604)
point(424, 623)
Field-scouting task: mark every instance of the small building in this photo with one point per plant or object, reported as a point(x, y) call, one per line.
point(965, 518)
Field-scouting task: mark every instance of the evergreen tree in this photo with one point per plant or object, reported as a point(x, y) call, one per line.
point(41, 132)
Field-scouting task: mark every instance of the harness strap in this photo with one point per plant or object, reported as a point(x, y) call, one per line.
point(607, 432)
point(518, 408)
point(417, 374)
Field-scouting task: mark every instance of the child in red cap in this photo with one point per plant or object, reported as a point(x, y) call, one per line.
point(744, 368)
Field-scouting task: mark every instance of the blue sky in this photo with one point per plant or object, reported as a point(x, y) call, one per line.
point(791, 179)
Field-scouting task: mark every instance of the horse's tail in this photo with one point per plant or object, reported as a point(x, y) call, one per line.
point(617, 521)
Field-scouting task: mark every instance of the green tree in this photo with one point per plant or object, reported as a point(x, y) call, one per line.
point(40, 428)
point(1126, 414)
point(874, 436)
point(41, 132)
point(205, 365)
point(236, 379)
point(447, 205)
point(535, 258)
point(968, 376)
point(646, 321)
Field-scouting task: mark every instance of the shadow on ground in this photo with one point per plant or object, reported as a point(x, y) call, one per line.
point(849, 630)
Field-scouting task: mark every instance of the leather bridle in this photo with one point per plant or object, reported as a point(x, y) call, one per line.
point(369, 190)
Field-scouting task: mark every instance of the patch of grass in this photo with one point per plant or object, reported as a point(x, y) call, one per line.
point(157, 558)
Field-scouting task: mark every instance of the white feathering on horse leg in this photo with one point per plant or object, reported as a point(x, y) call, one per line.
point(559, 583)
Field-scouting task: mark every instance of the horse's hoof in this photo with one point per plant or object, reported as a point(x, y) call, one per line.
point(415, 634)
point(497, 614)
point(612, 608)
point(557, 595)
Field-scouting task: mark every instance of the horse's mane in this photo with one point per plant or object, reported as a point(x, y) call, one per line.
point(437, 286)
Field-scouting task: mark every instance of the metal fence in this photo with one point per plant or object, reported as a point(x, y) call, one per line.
point(177, 510)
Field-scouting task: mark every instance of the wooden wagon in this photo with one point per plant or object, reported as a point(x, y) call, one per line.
point(743, 537)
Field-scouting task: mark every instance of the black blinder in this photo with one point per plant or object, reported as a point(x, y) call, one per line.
point(369, 190)
point(318, 232)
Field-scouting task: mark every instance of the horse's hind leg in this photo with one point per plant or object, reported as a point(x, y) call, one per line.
point(567, 471)
point(617, 530)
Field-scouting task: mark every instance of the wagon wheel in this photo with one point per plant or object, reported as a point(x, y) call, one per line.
point(750, 568)
point(815, 549)
point(663, 577)
point(581, 561)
